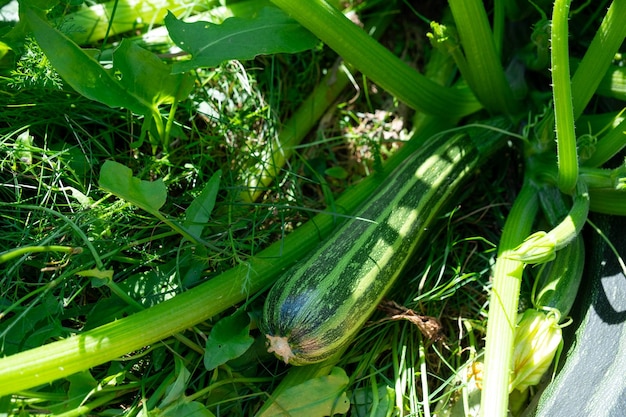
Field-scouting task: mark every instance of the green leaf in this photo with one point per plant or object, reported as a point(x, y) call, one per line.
point(98, 278)
point(229, 339)
point(321, 396)
point(366, 405)
point(118, 179)
point(176, 390)
point(271, 32)
point(145, 76)
point(23, 146)
point(187, 409)
point(43, 4)
point(199, 211)
point(81, 385)
point(79, 69)
point(337, 172)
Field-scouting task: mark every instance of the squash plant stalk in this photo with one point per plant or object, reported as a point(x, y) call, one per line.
point(378, 63)
point(608, 146)
point(597, 60)
point(540, 247)
point(562, 95)
point(608, 201)
point(486, 75)
point(503, 302)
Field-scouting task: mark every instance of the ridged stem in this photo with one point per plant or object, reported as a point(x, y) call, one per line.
point(562, 94)
point(503, 302)
point(378, 63)
point(608, 146)
point(606, 42)
point(486, 76)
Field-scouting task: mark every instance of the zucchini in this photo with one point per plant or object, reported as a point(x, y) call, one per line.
point(318, 305)
point(591, 381)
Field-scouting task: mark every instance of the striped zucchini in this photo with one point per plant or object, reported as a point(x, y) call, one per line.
point(318, 305)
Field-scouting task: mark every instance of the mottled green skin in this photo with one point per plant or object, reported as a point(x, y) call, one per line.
point(320, 304)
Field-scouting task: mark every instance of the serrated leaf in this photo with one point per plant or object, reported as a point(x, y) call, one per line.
point(83, 73)
point(323, 396)
point(118, 179)
point(271, 32)
point(200, 209)
point(229, 339)
point(145, 76)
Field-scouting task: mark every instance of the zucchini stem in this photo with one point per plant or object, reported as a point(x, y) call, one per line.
point(378, 63)
point(562, 95)
point(503, 302)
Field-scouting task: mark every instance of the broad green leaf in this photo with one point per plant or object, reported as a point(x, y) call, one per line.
point(229, 339)
point(79, 69)
point(118, 179)
point(34, 327)
point(145, 76)
point(271, 32)
point(199, 211)
point(323, 396)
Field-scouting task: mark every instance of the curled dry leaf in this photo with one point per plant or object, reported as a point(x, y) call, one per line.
point(430, 327)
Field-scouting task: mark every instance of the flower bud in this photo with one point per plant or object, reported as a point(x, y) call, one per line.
point(537, 248)
point(537, 338)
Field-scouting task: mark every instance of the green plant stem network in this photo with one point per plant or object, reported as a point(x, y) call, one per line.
point(550, 146)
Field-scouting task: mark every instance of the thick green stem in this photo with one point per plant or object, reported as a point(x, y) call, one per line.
point(377, 62)
point(608, 146)
point(486, 76)
point(14, 253)
point(503, 303)
point(606, 42)
point(562, 94)
point(541, 247)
